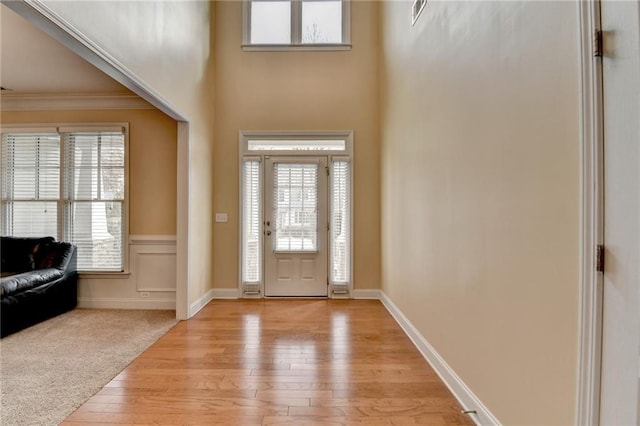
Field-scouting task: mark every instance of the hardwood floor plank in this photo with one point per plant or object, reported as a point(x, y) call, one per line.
point(160, 419)
point(324, 421)
point(271, 362)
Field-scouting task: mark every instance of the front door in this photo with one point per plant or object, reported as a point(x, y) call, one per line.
point(295, 219)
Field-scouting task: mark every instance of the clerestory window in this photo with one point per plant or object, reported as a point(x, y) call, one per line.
point(296, 24)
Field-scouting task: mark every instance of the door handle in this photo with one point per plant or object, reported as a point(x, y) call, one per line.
point(268, 233)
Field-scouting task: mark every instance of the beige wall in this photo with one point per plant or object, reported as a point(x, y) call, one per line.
point(168, 45)
point(480, 195)
point(152, 161)
point(297, 91)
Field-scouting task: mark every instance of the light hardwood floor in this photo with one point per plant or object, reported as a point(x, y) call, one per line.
point(271, 362)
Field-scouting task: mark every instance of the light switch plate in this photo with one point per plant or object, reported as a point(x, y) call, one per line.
point(221, 217)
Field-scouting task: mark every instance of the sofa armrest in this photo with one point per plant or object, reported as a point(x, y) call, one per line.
point(60, 255)
point(16, 283)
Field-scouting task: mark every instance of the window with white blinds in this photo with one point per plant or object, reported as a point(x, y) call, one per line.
point(295, 195)
point(340, 222)
point(69, 185)
point(30, 184)
point(94, 198)
point(251, 223)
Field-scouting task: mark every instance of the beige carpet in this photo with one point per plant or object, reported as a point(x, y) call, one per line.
point(48, 370)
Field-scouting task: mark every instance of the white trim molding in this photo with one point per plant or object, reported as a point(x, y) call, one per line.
point(458, 388)
point(50, 102)
point(591, 218)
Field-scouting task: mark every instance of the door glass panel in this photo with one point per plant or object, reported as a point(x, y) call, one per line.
point(295, 195)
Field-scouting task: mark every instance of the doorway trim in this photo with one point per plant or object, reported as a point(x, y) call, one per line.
point(591, 217)
point(40, 15)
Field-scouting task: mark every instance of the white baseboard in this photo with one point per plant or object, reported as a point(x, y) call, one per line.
point(125, 303)
point(202, 301)
point(366, 294)
point(460, 390)
point(225, 293)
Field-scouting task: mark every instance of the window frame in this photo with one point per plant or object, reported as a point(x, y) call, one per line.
point(65, 128)
point(244, 154)
point(296, 30)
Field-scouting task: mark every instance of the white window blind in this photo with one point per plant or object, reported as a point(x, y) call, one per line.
point(295, 213)
point(340, 222)
point(30, 184)
point(251, 222)
point(94, 198)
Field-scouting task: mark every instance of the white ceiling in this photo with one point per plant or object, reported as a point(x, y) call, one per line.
point(34, 63)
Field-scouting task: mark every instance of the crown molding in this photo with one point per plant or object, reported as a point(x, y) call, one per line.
point(75, 101)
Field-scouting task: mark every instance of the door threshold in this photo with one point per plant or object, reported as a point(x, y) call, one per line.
point(297, 297)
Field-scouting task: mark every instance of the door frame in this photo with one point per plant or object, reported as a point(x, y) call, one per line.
point(591, 217)
point(54, 25)
point(256, 289)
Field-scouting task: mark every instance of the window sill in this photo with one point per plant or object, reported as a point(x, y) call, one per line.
point(104, 275)
point(294, 47)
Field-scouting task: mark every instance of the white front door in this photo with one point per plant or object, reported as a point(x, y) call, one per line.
point(621, 299)
point(295, 218)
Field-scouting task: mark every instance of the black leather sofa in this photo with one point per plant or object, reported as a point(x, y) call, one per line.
point(39, 281)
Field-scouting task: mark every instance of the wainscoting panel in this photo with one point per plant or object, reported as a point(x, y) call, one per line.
point(150, 282)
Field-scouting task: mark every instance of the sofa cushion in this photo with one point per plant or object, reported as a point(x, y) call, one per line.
point(28, 280)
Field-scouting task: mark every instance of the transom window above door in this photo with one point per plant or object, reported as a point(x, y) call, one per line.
point(296, 24)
